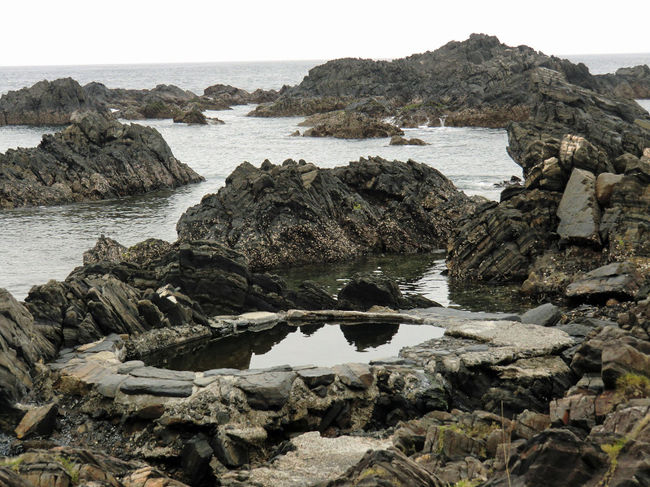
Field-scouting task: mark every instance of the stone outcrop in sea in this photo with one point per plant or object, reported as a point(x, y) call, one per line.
point(297, 213)
point(476, 82)
point(94, 158)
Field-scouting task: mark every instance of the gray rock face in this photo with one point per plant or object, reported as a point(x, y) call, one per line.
point(579, 212)
point(95, 158)
point(46, 103)
point(298, 214)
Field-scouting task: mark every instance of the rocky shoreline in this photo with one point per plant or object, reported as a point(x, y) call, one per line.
point(559, 395)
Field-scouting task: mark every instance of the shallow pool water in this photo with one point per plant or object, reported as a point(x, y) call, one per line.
point(321, 345)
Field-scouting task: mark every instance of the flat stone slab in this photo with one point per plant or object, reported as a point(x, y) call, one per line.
point(508, 340)
point(300, 316)
point(156, 373)
point(127, 367)
point(156, 387)
point(110, 384)
point(443, 313)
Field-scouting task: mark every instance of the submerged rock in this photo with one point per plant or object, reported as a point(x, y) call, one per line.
point(398, 140)
point(94, 158)
point(298, 213)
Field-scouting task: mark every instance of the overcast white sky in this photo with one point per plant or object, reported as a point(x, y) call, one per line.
point(39, 32)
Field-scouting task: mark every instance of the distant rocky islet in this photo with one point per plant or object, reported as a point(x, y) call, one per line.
point(491, 403)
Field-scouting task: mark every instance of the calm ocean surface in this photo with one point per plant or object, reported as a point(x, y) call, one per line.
point(38, 244)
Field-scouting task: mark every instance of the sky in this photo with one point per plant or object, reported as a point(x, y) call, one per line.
point(62, 32)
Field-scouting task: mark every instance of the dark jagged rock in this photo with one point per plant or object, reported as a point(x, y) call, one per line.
point(46, 103)
point(479, 82)
point(364, 292)
point(297, 213)
point(94, 158)
point(349, 125)
point(561, 108)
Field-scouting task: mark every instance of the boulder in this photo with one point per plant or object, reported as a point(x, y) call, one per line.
point(620, 280)
point(578, 211)
point(545, 315)
point(297, 213)
point(94, 158)
point(365, 291)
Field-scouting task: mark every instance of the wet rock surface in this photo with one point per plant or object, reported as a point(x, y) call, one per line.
point(297, 213)
point(94, 158)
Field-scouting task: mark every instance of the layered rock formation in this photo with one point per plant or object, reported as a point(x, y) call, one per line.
point(46, 103)
point(298, 214)
point(94, 158)
point(585, 197)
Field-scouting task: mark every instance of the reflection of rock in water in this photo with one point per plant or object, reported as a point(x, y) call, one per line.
point(232, 352)
point(369, 335)
point(309, 330)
